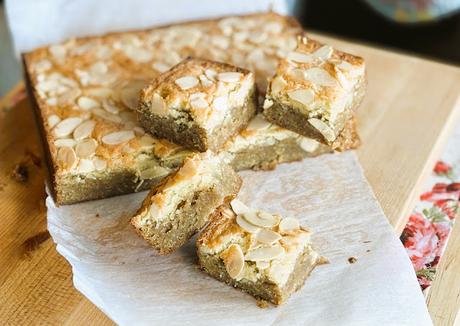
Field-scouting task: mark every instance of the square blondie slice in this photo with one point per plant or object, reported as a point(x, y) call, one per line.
point(182, 204)
point(262, 254)
point(315, 90)
point(198, 103)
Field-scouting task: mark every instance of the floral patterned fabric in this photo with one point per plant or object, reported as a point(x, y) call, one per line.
point(425, 235)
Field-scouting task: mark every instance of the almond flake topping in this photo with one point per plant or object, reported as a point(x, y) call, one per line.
point(198, 101)
point(66, 126)
point(85, 166)
point(86, 148)
point(261, 265)
point(110, 106)
point(230, 77)
point(84, 130)
point(239, 207)
point(323, 128)
point(303, 96)
point(99, 164)
point(268, 103)
point(118, 137)
point(220, 103)
point(66, 156)
point(320, 77)
point(277, 85)
point(186, 82)
point(267, 236)
point(233, 258)
point(245, 225)
point(160, 67)
point(324, 52)
point(258, 123)
point(65, 142)
point(158, 105)
point(211, 73)
point(289, 224)
point(87, 103)
point(265, 253)
point(262, 219)
point(53, 120)
point(300, 57)
point(307, 144)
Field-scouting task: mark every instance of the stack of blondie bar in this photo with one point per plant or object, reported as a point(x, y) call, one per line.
point(178, 110)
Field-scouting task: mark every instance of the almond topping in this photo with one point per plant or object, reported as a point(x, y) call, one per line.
point(66, 126)
point(160, 67)
point(106, 115)
point(146, 142)
point(307, 144)
point(320, 77)
point(324, 52)
point(277, 85)
point(198, 101)
point(205, 81)
point(65, 142)
point(239, 207)
point(323, 128)
point(261, 219)
point(110, 106)
point(267, 236)
point(158, 105)
point(85, 166)
point(261, 265)
point(245, 225)
point(87, 103)
point(86, 148)
point(66, 156)
point(129, 96)
point(220, 103)
point(230, 77)
point(258, 123)
point(288, 224)
point(265, 253)
point(84, 130)
point(211, 74)
point(303, 96)
point(118, 137)
point(99, 164)
point(186, 82)
point(155, 210)
point(53, 120)
point(267, 103)
point(233, 258)
point(300, 57)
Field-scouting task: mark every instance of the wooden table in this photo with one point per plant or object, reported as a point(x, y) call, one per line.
point(410, 108)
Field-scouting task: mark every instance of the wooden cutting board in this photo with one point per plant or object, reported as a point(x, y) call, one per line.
point(409, 110)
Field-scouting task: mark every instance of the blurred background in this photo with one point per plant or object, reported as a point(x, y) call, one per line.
point(427, 28)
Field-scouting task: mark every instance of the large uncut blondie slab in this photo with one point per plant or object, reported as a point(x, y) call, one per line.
point(182, 204)
point(260, 253)
point(199, 103)
point(315, 90)
point(84, 93)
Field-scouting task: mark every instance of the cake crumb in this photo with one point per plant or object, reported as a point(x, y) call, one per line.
point(262, 304)
point(352, 260)
point(20, 173)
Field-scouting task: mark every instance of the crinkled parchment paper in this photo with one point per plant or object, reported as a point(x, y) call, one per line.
point(125, 278)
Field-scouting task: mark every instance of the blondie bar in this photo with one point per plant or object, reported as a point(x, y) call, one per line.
point(315, 90)
point(182, 204)
point(260, 253)
point(198, 103)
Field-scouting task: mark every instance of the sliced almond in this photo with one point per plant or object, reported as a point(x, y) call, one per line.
point(84, 130)
point(324, 52)
point(239, 207)
point(288, 224)
point(258, 123)
point(53, 120)
point(323, 128)
point(99, 92)
point(99, 68)
point(303, 96)
point(205, 81)
point(69, 96)
point(261, 219)
point(87, 103)
point(320, 77)
point(343, 80)
point(278, 84)
point(158, 105)
point(118, 137)
point(99, 164)
point(268, 103)
point(146, 142)
point(129, 96)
point(160, 67)
point(66, 156)
point(85, 166)
point(267, 236)
point(106, 115)
point(186, 82)
point(245, 225)
point(65, 142)
point(52, 101)
point(155, 210)
point(66, 126)
point(265, 253)
point(307, 144)
point(233, 258)
point(229, 77)
point(139, 131)
point(211, 74)
point(86, 148)
point(110, 106)
point(300, 57)
point(198, 101)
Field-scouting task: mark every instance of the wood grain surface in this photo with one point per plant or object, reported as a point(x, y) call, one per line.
point(410, 107)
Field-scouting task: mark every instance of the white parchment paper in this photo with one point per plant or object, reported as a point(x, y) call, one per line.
point(125, 278)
